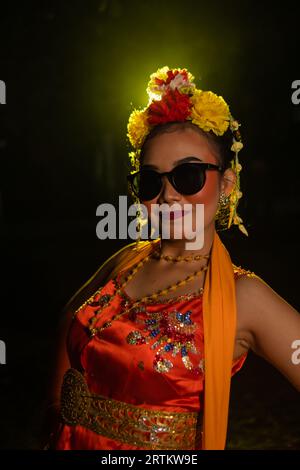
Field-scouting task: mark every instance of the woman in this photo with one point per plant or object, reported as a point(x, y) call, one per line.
point(149, 366)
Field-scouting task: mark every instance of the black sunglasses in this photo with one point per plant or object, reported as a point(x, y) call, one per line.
point(187, 179)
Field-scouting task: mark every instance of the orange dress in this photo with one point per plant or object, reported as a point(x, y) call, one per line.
point(149, 359)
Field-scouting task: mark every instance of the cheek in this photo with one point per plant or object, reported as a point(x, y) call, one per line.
point(208, 194)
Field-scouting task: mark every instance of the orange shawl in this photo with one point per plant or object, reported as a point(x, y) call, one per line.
point(219, 318)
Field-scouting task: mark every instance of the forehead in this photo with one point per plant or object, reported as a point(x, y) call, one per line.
point(164, 150)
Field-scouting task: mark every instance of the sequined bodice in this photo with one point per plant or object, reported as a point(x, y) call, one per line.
point(157, 344)
point(152, 356)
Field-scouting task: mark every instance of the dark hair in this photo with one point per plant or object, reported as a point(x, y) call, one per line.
point(221, 143)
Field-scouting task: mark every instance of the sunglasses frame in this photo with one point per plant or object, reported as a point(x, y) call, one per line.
point(170, 175)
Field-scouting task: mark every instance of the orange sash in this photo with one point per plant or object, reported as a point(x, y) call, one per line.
point(219, 318)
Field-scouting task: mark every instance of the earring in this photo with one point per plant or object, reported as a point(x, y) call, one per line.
point(137, 221)
point(222, 213)
point(223, 201)
point(141, 221)
point(138, 229)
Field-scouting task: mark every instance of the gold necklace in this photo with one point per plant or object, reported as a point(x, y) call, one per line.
point(175, 259)
point(108, 298)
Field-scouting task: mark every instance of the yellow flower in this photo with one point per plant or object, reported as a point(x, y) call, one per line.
point(234, 125)
point(134, 158)
point(138, 127)
point(161, 73)
point(210, 112)
point(237, 146)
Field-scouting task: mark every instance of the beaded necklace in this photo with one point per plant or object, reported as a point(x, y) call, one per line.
point(176, 259)
point(106, 299)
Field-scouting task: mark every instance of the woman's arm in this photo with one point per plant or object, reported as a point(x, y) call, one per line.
point(273, 326)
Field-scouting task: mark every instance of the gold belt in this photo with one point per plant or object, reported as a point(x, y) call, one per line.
point(127, 423)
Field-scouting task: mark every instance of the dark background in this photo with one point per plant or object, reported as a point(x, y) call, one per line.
point(73, 72)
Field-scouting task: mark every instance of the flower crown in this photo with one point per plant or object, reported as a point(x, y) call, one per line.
point(173, 97)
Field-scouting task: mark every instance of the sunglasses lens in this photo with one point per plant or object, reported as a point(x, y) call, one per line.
point(189, 178)
point(148, 185)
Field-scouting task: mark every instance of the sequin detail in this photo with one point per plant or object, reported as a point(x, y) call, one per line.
point(173, 333)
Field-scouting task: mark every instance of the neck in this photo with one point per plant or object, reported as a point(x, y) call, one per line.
point(175, 247)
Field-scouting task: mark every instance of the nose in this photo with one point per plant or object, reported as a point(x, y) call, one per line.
point(168, 192)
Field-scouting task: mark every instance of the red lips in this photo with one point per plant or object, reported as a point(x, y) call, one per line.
point(175, 214)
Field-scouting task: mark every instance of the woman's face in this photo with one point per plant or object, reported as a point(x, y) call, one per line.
point(166, 151)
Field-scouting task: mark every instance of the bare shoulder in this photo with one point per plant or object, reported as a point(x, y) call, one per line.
point(260, 308)
point(252, 291)
point(254, 298)
point(248, 283)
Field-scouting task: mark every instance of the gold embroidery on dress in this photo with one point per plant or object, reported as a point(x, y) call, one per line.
point(88, 301)
point(239, 271)
point(142, 427)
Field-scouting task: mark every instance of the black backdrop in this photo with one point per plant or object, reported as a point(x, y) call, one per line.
point(73, 70)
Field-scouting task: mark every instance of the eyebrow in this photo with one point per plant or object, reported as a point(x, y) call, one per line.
point(181, 160)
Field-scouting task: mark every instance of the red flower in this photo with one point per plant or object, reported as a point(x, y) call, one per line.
point(170, 75)
point(174, 106)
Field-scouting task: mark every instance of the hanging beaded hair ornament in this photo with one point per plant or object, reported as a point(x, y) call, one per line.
point(173, 97)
